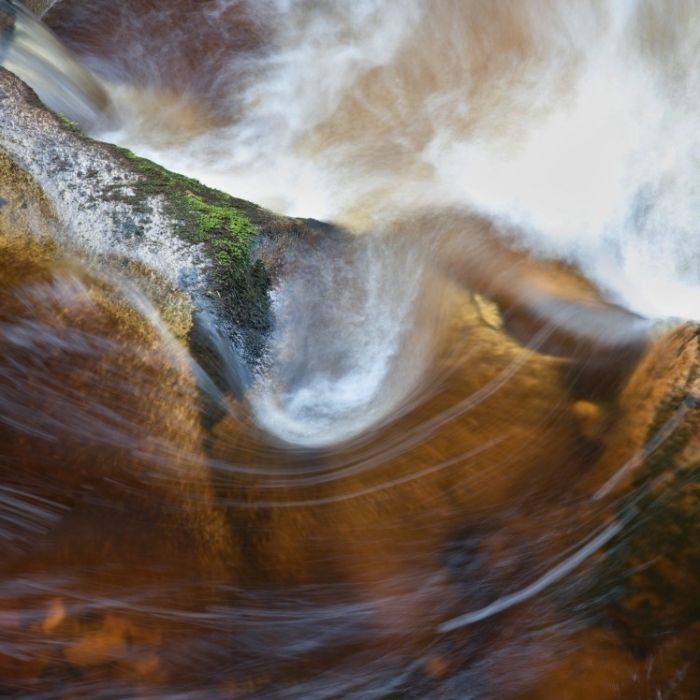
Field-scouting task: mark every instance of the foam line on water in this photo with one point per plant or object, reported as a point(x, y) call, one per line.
point(551, 577)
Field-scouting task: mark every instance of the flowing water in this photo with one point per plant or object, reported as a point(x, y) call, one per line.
point(419, 494)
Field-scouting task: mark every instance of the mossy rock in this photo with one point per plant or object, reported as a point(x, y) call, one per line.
point(116, 209)
point(238, 284)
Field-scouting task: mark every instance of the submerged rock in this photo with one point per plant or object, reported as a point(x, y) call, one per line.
point(650, 470)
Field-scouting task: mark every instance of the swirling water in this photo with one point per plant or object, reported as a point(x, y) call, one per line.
point(409, 500)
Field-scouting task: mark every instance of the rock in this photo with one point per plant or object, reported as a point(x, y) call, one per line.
point(128, 215)
point(546, 305)
point(38, 7)
point(650, 473)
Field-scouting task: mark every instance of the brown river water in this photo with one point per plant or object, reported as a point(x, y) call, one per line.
point(429, 490)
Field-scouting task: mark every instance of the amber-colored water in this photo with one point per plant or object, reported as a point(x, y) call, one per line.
point(428, 492)
point(146, 554)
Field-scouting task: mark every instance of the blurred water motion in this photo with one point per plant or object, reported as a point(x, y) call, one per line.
point(31, 51)
point(467, 469)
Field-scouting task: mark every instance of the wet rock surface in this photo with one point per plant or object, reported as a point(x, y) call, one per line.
point(652, 464)
point(122, 212)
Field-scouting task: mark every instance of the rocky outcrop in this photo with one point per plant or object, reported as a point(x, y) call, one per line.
point(127, 214)
point(650, 471)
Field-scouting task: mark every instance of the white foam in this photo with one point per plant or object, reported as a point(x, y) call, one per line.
point(344, 354)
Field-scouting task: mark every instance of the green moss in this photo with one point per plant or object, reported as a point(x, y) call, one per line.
point(225, 227)
point(222, 225)
point(68, 125)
